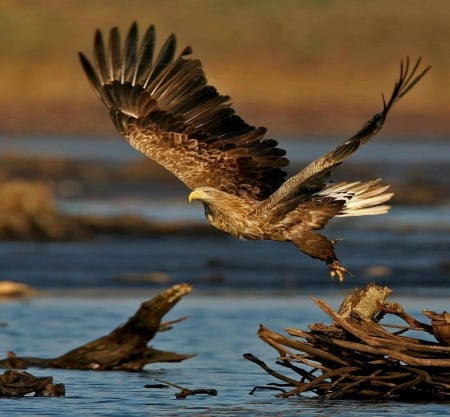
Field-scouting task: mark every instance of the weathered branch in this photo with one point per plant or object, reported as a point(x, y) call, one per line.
point(125, 348)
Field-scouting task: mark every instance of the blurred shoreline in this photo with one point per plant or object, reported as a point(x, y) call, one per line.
point(295, 67)
point(414, 183)
point(50, 197)
point(66, 119)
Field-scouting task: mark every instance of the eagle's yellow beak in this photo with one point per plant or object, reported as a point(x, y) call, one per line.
point(196, 195)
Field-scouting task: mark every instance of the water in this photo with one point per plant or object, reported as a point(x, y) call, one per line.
point(88, 288)
point(219, 331)
point(387, 149)
point(411, 262)
point(409, 251)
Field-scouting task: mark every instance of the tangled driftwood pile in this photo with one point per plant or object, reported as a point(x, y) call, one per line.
point(358, 357)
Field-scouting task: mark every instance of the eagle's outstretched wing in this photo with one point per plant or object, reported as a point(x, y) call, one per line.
point(313, 177)
point(165, 109)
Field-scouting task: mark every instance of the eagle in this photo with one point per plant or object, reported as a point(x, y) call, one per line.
point(164, 107)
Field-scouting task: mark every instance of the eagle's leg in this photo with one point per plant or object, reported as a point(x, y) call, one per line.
point(319, 247)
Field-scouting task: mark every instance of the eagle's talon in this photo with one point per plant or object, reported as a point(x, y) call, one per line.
point(337, 269)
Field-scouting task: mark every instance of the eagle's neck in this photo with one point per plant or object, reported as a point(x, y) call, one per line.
point(230, 216)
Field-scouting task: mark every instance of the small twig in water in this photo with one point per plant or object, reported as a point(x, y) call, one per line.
point(184, 392)
point(266, 388)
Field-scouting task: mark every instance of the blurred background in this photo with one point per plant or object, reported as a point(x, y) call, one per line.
point(312, 72)
point(297, 67)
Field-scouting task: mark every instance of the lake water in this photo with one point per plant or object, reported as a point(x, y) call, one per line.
point(220, 329)
point(88, 288)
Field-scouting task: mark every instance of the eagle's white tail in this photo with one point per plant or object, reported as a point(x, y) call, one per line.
point(362, 198)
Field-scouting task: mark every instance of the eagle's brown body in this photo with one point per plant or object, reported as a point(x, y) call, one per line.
point(164, 108)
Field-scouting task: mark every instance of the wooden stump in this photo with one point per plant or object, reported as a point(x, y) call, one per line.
point(356, 357)
point(125, 348)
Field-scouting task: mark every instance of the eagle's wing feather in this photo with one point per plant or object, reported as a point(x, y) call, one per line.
point(314, 176)
point(166, 110)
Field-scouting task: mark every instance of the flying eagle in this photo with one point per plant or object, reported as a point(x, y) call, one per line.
point(165, 109)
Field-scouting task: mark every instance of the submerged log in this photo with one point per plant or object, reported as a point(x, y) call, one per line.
point(357, 357)
point(125, 348)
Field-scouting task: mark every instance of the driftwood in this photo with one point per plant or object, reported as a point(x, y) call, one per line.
point(357, 357)
point(183, 391)
point(125, 348)
point(19, 384)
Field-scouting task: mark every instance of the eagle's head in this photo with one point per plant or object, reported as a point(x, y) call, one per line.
point(218, 200)
point(207, 195)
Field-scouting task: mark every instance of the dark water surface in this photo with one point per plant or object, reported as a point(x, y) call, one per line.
point(407, 249)
point(412, 262)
